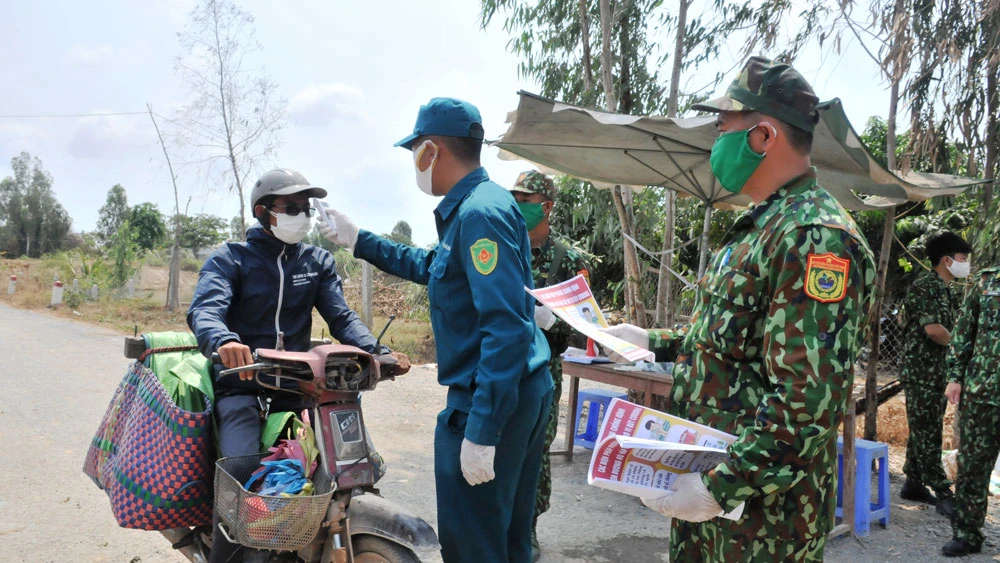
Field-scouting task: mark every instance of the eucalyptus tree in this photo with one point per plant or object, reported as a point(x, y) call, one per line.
point(604, 54)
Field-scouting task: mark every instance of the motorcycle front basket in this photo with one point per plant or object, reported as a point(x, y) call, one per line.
point(268, 522)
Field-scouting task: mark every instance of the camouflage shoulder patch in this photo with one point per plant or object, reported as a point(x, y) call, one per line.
point(484, 256)
point(826, 277)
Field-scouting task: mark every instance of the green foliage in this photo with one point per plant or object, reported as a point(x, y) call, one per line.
point(123, 252)
point(581, 215)
point(561, 52)
point(916, 222)
point(32, 221)
point(191, 265)
point(985, 236)
point(113, 213)
point(73, 299)
point(148, 223)
point(201, 231)
point(236, 228)
point(401, 233)
point(316, 238)
point(546, 36)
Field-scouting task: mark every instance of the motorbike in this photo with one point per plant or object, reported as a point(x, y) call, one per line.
point(355, 523)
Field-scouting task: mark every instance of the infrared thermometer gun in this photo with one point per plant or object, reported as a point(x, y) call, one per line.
point(321, 211)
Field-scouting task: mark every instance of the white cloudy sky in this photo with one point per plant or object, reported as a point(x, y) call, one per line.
point(354, 74)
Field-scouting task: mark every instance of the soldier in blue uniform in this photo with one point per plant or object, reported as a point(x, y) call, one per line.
point(491, 355)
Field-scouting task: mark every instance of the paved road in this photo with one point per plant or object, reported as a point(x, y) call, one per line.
point(54, 396)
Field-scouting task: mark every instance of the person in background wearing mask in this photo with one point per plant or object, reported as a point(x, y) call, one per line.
point(974, 385)
point(553, 260)
point(777, 325)
point(491, 355)
point(929, 311)
point(248, 292)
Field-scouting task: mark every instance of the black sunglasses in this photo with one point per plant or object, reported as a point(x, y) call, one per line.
point(293, 209)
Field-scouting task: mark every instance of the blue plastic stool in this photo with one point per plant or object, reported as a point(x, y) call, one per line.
point(865, 511)
point(598, 401)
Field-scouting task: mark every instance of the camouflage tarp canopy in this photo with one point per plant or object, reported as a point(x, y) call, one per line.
point(608, 148)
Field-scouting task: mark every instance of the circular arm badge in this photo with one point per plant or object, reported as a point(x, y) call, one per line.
point(826, 277)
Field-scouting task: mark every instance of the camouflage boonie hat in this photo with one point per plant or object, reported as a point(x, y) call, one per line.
point(534, 182)
point(775, 89)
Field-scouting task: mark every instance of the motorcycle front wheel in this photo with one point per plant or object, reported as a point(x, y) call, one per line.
point(373, 549)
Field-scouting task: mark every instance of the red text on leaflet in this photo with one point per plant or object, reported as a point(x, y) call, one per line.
point(562, 296)
point(614, 455)
point(633, 417)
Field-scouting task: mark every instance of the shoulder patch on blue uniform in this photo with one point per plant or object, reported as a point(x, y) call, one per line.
point(484, 256)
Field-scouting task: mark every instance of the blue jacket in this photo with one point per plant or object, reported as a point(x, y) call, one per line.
point(483, 319)
point(249, 291)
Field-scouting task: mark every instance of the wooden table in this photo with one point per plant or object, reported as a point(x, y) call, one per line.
point(648, 382)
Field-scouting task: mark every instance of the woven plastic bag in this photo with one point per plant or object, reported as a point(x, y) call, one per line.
point(154, 460)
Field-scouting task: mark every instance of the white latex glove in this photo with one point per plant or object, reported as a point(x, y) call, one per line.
point(544, 318)
point(689, 500)
point(637, 336)
point(343, 232)
point(477, 462)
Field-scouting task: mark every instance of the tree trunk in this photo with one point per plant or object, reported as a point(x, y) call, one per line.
point(703, 251)
point(992, 107)
point(174, 276)
point(367, 298)
point(633, 304)
point(227, 114)
point(610, 99)
point(665, 284)
point(675, 71)
point(588, 72)
point(888, 229)
point(665, 308)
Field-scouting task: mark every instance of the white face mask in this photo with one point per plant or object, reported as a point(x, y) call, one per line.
point(290, 230)
point(959, 269)
point(424, 177)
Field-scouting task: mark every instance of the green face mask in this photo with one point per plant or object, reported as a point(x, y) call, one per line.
point(733, 161)
point(533, 213)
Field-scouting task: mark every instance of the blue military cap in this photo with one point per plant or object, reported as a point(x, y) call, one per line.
point(447, 117)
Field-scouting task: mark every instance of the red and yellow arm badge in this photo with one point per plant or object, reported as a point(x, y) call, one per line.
point(826, 277)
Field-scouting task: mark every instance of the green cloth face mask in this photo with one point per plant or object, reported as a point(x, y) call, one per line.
point(733, 161)
point(533, 213)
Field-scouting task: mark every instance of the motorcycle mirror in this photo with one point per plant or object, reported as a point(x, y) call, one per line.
point(378, 341)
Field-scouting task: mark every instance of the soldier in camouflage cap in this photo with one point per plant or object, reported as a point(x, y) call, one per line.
point(929, 311)
point(770, 88)
point(770, 353)
point(534, 182)
point(553, 260)
point(974, 385)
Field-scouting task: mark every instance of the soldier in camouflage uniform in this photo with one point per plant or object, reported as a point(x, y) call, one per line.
point(770, 352)
point(552, 261)
point(974, 384)
point(929, 310)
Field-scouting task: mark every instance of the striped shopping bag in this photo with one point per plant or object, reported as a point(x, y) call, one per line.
point(154, 460)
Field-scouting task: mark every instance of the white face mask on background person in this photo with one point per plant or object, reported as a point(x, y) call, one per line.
point(959, 269)
point(425, 177)
point(289, 229)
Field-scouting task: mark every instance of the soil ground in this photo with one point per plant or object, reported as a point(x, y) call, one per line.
point(55, 395)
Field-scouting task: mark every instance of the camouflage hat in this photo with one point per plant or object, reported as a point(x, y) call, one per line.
point(534, 182)
point(774, 89)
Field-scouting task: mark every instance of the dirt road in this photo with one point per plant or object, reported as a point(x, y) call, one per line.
point(50, 511)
